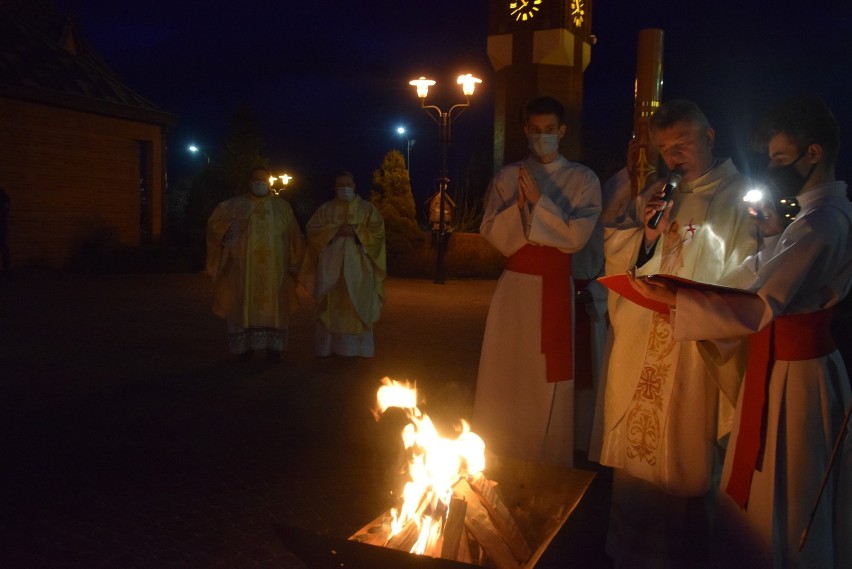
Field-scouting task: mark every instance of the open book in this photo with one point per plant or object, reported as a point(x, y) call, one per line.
point(621, 284)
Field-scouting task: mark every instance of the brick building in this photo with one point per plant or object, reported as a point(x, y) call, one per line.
point(82, 156)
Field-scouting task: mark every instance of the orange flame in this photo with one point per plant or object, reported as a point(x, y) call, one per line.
point(435, 464)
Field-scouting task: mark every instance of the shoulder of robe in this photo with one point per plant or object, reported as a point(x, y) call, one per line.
point(509, 170)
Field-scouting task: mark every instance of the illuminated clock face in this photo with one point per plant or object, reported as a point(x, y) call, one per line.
point(578, 12)
point(523, 10)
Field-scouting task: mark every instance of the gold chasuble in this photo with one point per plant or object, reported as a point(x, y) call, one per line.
point(345, 274)
point(253, 246)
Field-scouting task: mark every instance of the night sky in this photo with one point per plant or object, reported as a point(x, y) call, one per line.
point(329, 79)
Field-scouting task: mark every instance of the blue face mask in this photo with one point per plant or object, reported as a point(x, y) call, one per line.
point(259, 188)
point(544, 144)
point(346, 193)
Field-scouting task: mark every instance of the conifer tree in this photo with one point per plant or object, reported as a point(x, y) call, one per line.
point(391, 194)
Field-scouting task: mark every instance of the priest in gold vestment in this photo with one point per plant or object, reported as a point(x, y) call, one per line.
point(344, 270)
point(254, 246)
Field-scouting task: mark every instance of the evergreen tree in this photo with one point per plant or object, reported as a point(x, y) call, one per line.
point(391, 194)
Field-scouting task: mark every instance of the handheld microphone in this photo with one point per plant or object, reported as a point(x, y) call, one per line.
point(672, 182)
point(757, 214)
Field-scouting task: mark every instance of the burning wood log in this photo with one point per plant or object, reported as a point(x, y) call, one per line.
point(483, 529)
point(465, 555)
point(503, 520)
point(470, 514)
point(454, 529)
point(488, 538)
point(433, 538)
point(406, 538)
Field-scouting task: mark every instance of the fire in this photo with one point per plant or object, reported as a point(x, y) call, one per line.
point(436, 463)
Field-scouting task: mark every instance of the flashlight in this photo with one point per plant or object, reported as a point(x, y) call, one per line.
point(753, 197)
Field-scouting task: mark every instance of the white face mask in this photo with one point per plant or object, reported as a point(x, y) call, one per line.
point(259, 188)
point(544, 144)
point(346, 193)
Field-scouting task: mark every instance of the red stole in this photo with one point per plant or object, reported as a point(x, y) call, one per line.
point(554, 267)
point(795, 337)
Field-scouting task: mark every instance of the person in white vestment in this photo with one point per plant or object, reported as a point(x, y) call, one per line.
point(784, 502)
point(667, 405)
point(254, 246)
point(344, 271)
point(538, 212)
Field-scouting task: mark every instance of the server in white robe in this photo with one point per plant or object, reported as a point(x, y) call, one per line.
point(539, 211)
point(666, 407)
point(790, 411)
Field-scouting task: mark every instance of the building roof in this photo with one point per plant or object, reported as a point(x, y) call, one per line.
point(45, 59)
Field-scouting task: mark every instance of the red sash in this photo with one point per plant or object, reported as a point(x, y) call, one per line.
point(790, 338)
point(554, 267)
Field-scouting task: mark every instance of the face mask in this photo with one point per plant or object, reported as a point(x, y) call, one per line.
point(786, 180)
point(544, 144)
point(259, 188)
point(346, 193)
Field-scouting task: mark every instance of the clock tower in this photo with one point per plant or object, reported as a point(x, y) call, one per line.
point(537, 47)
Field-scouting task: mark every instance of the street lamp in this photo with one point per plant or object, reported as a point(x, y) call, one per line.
point(409, 142)
point(444, 120)
point(279, 183)
point(195, 150)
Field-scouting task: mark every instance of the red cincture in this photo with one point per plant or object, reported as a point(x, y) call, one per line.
point(554, 267)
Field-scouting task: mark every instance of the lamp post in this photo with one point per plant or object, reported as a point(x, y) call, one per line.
point(195, 150)
point(409, 142)
point(279, 183)
point(444, 120)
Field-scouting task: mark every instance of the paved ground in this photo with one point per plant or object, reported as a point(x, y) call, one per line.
point(130, 439)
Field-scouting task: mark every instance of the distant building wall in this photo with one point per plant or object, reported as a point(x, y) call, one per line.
point(74, 181)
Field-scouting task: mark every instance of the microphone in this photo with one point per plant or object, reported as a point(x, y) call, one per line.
point(757, 214)
point(672, 182)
